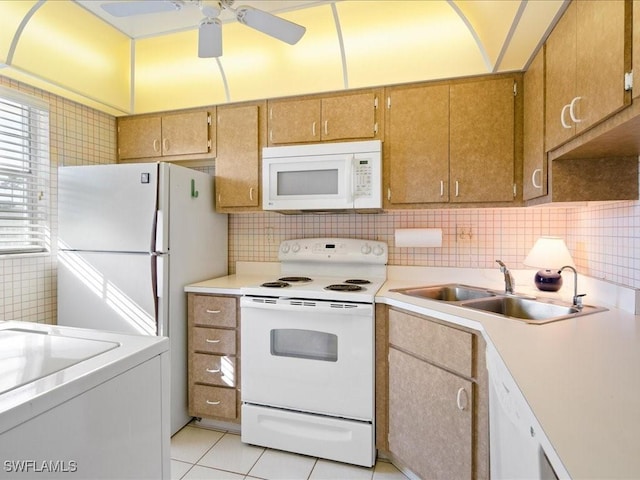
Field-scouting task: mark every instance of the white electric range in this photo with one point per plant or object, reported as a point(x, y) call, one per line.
point(308, 350)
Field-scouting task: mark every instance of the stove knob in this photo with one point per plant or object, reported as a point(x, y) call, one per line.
point(284, 248)
point(366, 249)
point(295, 248)
point(378, 250)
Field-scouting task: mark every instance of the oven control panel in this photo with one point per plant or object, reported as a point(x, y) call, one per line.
point(342, 250)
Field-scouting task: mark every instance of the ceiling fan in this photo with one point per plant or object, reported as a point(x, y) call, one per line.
point(210, 28)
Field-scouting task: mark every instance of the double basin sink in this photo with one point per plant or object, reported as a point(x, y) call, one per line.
point(527, 309)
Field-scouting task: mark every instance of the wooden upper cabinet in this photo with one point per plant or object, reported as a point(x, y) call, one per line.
point(317, 119)
point(186, 133)
point(482, 136)
point(351, 116)
point(139, 137)
point(238, 160)
point(587, 55)
point(169, 135)
point(534, 169)
point(417, 145)
point(294, 121)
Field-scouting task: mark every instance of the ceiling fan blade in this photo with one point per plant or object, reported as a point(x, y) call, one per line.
point(141, 7)
point(276, 27)
point(210, 38)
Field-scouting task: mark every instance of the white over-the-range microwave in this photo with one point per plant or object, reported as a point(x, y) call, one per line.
point(323, 177)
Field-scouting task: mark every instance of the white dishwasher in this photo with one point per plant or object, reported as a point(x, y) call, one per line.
point(515, 451)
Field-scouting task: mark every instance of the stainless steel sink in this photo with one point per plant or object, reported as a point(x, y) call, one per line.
point(452, 292)
point(527, 309)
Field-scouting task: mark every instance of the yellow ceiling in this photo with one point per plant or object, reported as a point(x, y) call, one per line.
point(62, 47)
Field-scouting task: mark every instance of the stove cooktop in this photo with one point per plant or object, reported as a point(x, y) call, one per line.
point(327, 269)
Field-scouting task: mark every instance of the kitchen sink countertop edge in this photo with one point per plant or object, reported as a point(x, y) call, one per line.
point(579, 376)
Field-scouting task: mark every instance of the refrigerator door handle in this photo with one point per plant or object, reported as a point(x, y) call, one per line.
point(155, 292)
point(159, 263)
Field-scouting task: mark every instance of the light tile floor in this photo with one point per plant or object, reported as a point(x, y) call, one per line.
point(203, 454)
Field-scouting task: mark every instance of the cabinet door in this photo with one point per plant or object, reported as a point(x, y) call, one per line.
point(238, 158)
point(600, 63)
point(350, 116)
point(185, 133)
point(560, 78)
point(139, 137)
point(417, 138)
point(430, 418)
point(481, 155)
point(534, 170)
point(294, 121)
point(636, 44)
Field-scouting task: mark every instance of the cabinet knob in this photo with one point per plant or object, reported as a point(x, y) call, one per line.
point(572, 110)
point(562, 115)
point(212, 402)
point(533, 178)
point(462, 399)
point(213, 311)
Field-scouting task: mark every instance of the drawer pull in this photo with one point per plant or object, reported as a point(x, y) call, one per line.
point(208, 340)
point(213, 370)
point(213, 311)
point(209, 402)
point(461, 399)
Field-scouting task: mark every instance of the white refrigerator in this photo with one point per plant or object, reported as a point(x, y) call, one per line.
point(130, 237)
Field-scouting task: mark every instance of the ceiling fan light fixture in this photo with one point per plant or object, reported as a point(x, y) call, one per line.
point(271, 25)
point(210, 8)
point(210, 38)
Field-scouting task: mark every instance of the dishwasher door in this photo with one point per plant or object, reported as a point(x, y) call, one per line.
point(515, 451)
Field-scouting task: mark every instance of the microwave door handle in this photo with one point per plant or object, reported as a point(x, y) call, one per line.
point(352, 176)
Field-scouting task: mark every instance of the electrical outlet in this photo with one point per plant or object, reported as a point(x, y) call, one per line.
point(269, 235)
point(464, 234)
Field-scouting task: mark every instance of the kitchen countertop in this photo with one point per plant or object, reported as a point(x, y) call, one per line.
point(580, 377)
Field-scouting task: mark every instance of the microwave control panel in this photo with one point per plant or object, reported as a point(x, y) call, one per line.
point(362, 174)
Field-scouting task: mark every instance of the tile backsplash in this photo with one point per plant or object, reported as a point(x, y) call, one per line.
point(602, 237)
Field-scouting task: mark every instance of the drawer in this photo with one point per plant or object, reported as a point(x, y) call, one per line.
point(442, 345)
point(213, 311)
point(213, 340)
point(213, 402)
point(213, 369)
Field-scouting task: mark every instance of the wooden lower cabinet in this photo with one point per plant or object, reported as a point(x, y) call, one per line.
point(432, 397)
point(214, 357)
point(430, 418)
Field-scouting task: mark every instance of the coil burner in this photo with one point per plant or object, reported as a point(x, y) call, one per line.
point(295, 279)
point(278, 284)
point(357, 281)
point(342, 287)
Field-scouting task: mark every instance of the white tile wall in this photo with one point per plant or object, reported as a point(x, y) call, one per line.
point(79, 135)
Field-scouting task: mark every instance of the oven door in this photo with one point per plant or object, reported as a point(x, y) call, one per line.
point(308, 355)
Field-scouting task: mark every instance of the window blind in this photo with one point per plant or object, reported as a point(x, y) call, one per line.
point(24, 173)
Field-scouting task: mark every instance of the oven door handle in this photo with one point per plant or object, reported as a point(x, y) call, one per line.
point(310, 306)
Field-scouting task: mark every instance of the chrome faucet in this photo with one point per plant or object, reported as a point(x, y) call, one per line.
point(577, 299)
point(509, 282)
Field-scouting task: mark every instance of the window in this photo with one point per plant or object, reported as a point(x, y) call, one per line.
point(24, 173)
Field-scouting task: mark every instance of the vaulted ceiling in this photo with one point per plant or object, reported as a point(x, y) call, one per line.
point(149, 62)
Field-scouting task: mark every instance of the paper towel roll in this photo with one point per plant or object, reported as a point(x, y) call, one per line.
point(418, 237)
